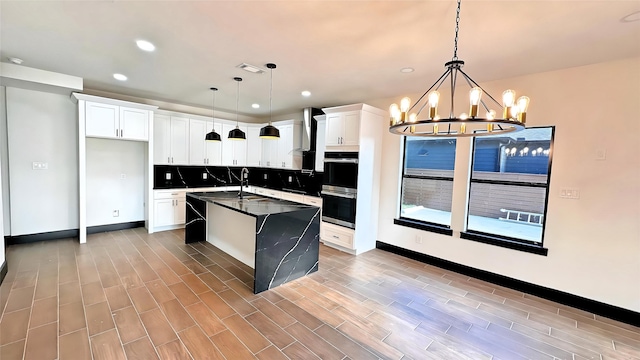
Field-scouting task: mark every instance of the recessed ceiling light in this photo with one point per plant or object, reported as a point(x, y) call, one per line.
point(251, 68)
point(145, 45)
point(306, 93)
point(16, 60)
point(407, 70)
point(255, 106)
point(634, 16)
point(120, 77)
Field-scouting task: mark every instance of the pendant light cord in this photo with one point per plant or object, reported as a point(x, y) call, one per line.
point(237, 99)
point(455, 42)
point(213, 118)
point(271, 97)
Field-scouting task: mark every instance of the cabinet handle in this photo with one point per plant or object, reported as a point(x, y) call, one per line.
point(121, 133)
point(116, 132)
point(168, 159)
point(172, 159)
point(335, 237)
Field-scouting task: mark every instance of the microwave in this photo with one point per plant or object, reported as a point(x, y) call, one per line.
point(341, 169)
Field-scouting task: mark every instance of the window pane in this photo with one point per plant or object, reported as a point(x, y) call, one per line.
point(509, 184)
point(426, 184)
point(522, 157)
point(427, 200)
point(507, 210)
point(430, 157)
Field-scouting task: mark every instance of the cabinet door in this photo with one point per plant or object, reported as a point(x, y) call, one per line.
point(320, 145)
point(164, 212)
point(197, 132)
point(161, 140)
point(180, 211)
point(285, 147)
point(213, 149)
point(227, 145)
point(254, 146)
point(134, 124)
point(102, 120)
point(269, 152)
point(351, 134)
point(179, 141)
point(334, 132)
point(240, 149)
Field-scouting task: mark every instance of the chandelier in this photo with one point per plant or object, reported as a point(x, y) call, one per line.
point(422, 118)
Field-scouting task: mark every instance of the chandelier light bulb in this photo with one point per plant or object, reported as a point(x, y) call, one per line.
point(434, 97)
point(491, 114)
point(413, 117)
point(475, 95)
point(464, 116)
point(508, 100)
point(515, 112)
point(394, 113)
point(405, 103)
point(523, 105)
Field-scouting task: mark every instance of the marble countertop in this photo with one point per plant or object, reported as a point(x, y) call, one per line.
point(251, 204)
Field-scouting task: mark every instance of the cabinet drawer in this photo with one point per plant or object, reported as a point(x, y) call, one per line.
point(312, 200)
point(337, 237)
point(292, 197)
point(169, 194)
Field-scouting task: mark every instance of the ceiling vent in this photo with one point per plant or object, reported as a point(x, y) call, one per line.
point(251, 68)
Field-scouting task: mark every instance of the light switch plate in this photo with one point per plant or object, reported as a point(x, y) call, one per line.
point(39, 165)
point(570, 193)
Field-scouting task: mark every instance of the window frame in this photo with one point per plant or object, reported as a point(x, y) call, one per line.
point(502, 240)
point(414, 223)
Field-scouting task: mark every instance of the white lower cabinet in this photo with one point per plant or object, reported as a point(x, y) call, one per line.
point(169, 207)
point(335, 234)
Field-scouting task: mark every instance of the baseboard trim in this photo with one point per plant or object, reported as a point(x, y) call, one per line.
point(71, 233)
point(579, 302)
point(3, 271)
point(115, 227)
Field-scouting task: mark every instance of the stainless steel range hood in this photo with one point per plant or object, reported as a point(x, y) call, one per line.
point(309, 135)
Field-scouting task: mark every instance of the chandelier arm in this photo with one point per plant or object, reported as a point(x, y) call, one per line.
point(426, 92)
point(483, 90)
point(454, 80)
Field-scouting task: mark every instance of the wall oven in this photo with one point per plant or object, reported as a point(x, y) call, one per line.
point(339, 189)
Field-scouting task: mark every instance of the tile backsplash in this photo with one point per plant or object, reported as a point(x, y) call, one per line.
point(171, 177)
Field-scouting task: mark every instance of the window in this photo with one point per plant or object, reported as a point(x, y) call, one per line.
point(510, 184)
point(427, 180)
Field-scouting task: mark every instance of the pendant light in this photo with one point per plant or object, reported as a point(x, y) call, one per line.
point(213, 135)
point(270, 132)
point(237, 134)
point(429, 124)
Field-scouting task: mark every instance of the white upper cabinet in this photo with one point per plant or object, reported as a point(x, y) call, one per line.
point(254, 146)
point(116, 122)
point(320, 142)
point(170, 140)
point(234, 152)
point(285, 152)
point(343, 130)
point(203, 152)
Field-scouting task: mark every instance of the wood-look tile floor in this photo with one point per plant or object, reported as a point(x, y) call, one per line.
point(130, 295)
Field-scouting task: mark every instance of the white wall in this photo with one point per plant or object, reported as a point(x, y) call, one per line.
point(2, 170)
point(42, 128)
point(107, 162)
point(4, 163)
point(593, 242)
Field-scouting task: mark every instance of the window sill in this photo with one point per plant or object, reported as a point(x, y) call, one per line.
point(504, 242)
point(440, 229)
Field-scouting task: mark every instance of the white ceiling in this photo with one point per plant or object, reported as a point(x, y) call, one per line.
point(342, 51)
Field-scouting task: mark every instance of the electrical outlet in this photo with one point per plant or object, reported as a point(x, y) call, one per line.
point(570, 193)
point(116, 213)
point(204, 176)
point(39, 165)
point(290, 178)
point(167, 176)
point(265, 176)
point(418, 239)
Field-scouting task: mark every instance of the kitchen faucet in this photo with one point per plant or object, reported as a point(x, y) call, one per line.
point(244, 179)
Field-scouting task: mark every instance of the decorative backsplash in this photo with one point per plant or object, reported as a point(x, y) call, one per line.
point(172, 177)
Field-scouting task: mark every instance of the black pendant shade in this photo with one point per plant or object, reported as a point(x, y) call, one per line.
point(213, 135)
point(270, 132)
point(237, 134)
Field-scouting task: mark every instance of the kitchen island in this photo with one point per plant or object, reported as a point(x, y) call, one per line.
point(278, 239)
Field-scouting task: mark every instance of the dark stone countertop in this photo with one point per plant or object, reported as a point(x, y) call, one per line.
point(251, 204)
